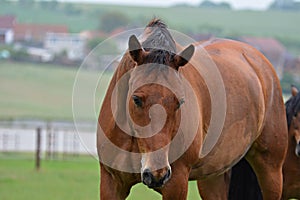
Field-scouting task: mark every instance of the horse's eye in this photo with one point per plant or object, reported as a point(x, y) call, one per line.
point(181, 101)
point(137, 100)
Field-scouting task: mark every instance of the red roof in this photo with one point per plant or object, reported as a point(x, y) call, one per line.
point(7, 21)
point(93, 34)
point(37, 31)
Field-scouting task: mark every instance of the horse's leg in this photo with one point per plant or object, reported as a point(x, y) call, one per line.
point(177, 187)
point(214, 188)
point(270, 179)
point(266, 157)
point(110, 188)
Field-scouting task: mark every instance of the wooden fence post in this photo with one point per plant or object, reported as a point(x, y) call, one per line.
point(38, 149)
point(49, 141)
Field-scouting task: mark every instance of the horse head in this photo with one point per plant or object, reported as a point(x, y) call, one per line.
point(155, 94)
point(293, 117)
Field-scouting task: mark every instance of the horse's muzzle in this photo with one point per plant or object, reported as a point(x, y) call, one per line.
point(157, 181)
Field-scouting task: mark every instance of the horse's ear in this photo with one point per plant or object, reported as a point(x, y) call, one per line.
point(294, 90)
point(183, 57)
point(136, 50)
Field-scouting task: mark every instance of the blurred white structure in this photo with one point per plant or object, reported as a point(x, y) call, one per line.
point(71, 44)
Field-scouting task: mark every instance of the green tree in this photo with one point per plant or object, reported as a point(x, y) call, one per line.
point(27, 3)
point(224, 5)
point(208, 4)
point(283, 5)
point(51, 5)
point(112, 20)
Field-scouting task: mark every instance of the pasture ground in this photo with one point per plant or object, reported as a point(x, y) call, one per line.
point(42, 91)
point(60, 180)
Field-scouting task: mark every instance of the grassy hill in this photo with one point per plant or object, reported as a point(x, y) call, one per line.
point(35, 14)
point(222, 22)
point(34, 91)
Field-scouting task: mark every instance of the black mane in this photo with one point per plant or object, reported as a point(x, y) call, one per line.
point(159, 44)
point(159, 38)
point(292, 107)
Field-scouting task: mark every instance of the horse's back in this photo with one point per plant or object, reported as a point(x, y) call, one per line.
point(246, 72)
point(240, 57)
point(253, 95)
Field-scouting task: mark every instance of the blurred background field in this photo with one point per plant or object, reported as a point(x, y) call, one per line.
point(281, 24)
point(44, 43)
point(42, 91)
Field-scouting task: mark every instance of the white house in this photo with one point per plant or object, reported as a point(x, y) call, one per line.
point(71, 44)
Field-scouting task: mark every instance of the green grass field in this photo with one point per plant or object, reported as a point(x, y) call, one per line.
point(35, 91)
point(61, 180)
point(34, 14)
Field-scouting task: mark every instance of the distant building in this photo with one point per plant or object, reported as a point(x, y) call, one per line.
point(71, 44)
point(271, 48)
point(93, 34)
point(7, 24)
point(283, 3)
point(36, 32)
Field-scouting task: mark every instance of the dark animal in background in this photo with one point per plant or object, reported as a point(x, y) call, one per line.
point(291, 167)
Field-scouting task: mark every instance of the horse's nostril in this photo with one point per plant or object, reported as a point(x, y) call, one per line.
point(153, 182)
point(146, 173)
point(147, 177)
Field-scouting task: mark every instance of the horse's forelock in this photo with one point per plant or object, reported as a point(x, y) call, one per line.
point(156, 22)
point(159, 44)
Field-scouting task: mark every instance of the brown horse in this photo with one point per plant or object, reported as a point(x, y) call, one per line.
point(244, 185)
point(171, 117)
point(291, 167)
